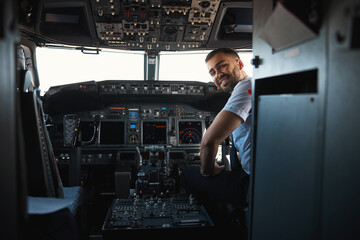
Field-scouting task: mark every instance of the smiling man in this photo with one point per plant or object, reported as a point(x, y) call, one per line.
point(209, 181)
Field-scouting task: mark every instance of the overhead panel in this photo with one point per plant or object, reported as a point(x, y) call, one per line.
point(154, 24)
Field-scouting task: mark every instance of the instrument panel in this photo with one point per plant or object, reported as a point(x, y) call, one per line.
point(109, 119)
point(147, 124)
point(129, 126)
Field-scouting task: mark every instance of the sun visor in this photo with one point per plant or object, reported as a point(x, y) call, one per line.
point(284, 29)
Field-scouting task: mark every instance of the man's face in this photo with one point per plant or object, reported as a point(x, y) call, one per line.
point(225, 71)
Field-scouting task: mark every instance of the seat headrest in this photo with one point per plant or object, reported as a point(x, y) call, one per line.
point(21, 59)
point(26, 83)
point(26, 80)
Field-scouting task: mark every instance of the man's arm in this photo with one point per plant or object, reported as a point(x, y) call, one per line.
point(222, 126)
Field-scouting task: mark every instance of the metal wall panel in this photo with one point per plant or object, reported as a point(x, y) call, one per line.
point(9, 185)
point(288, 132)
point(341, 198)
point(287, 184)
point(326, 205)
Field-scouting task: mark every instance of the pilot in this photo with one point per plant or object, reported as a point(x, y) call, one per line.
point(210, 182)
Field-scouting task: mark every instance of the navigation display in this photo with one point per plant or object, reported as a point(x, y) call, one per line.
point(112, 132)
point(154, 132)
point(190, 132)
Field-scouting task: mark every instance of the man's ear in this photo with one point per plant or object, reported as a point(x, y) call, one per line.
point(241, 64)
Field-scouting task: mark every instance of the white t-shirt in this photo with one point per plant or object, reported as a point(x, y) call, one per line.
point(240, 103)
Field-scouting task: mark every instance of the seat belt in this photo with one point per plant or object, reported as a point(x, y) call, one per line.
point(234, 159)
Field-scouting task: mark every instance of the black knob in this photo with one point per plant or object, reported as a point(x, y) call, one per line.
point(256, 61)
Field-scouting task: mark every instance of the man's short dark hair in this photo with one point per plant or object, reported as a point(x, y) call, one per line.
point(229, 51)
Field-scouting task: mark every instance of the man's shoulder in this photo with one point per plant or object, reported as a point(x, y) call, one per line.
point(243, 85)
point(246, 81)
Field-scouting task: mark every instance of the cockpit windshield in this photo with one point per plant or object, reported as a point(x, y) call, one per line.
point(58, 66)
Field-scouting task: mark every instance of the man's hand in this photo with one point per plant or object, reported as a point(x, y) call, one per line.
point(215, 171)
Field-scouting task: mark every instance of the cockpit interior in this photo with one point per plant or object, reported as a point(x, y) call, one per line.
point(105, 102)
point(118, 146)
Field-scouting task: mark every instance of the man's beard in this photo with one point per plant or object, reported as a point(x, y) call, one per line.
point(231, 85)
